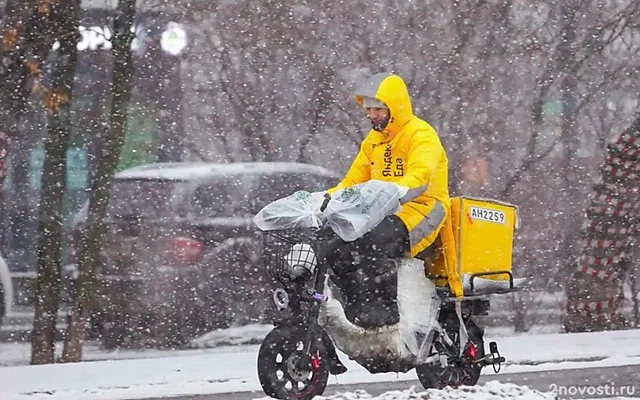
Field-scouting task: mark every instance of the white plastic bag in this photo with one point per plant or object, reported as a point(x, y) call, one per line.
point(408, 341)
point(295, 211)
point(354, 211)
point(351, 213)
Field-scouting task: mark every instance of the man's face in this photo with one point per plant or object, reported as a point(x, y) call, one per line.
point(379, 117)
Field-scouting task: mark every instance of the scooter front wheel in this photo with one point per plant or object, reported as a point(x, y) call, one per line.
point(288, 368)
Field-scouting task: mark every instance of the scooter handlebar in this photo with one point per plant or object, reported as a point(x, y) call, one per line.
point(325, 202)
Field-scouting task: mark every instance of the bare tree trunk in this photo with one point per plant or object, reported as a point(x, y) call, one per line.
point(170, 111)
point(23, 24)
point(569, 173)
point(566, 55)
point(14, 75)
point(90, 255)
point(5, 145)
point(58, 104)
point(520, 308)
point(634, 296)
point(322, 103)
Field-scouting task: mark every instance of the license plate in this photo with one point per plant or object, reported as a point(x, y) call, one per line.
point(487, 214)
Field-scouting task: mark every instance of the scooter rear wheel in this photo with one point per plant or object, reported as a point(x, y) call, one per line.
point(457, 372)
point(286, 370)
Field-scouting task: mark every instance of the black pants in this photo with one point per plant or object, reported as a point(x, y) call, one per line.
point(389, 239)
point(365, 272)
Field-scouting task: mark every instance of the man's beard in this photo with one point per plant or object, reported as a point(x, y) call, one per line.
point(380, 126)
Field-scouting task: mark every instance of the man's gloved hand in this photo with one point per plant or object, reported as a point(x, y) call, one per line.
point(325, 202)
point(402, 194)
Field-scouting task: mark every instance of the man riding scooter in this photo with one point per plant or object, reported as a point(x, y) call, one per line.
point(406, 150)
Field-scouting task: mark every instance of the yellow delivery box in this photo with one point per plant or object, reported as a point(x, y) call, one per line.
point(483, 230)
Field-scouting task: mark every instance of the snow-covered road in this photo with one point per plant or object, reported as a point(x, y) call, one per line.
point(147, 374)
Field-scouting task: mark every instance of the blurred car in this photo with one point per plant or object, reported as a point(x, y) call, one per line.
point(181, 254)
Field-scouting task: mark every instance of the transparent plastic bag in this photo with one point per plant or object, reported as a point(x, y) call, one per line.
point(408, 341)
point(295, 211)
point(351, 213)
point(354, 211)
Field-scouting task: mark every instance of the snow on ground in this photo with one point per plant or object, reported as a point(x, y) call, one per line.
point(132, 374)
point(490, 391)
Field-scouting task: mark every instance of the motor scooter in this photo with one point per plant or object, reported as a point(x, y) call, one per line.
point(294, 358)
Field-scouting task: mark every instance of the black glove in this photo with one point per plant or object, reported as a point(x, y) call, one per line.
point(325, 202)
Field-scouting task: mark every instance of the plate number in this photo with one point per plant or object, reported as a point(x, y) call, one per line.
point(486, 214)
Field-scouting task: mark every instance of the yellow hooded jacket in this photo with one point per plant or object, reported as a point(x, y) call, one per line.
point(409, 153)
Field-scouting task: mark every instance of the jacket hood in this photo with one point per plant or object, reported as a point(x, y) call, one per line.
point(391, 90)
